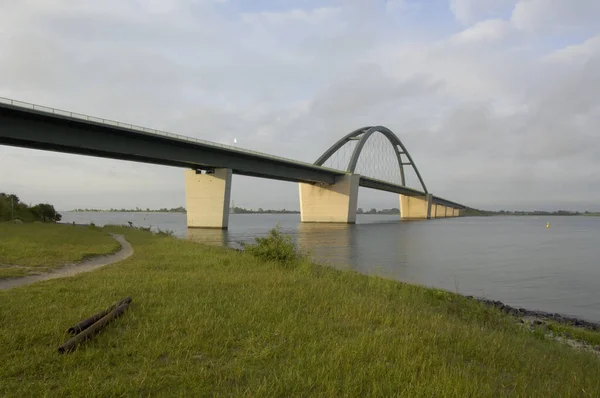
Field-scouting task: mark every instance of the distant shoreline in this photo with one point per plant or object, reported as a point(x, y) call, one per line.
point(379, 212)
point(120, 211)
point(365, 213)
point(183, 212)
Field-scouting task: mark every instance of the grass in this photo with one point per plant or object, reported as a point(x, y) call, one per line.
point(38, 247)
point(14, 272)
point(211, 321)
point(574, 333)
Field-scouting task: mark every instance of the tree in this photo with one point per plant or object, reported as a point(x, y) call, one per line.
point(372, 211)
point(359, 210)
point(14, 198)
point(45, 212)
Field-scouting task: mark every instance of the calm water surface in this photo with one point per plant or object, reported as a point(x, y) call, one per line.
point(514, 259)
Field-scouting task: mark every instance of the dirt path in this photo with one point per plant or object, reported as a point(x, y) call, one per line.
point(74, 269)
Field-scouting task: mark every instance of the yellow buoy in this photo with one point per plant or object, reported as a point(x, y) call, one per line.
point(548, 225)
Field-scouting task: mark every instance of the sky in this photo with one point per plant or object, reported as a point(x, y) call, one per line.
point(498, 101)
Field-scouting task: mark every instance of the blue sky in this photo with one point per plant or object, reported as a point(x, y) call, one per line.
point(496, 99)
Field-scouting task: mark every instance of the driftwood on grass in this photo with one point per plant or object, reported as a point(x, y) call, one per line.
point(93, 329)
point(86, 323)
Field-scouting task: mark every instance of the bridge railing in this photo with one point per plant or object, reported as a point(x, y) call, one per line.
point(81, 116)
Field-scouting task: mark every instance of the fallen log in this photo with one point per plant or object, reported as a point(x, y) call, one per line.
point(92, 330)
point(86, 323)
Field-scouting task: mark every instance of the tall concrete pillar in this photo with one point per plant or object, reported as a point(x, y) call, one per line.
point(440, 211)
point(207, 198)
point(415, 207)
point(456, 212)
point(330, 203)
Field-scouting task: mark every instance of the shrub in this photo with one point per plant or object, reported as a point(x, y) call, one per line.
point(11, 207)
point(45, 212)
point(275, 247)
point(166, 232)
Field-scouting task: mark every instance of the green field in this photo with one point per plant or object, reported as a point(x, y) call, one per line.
point(212, 321)
point(32, 248)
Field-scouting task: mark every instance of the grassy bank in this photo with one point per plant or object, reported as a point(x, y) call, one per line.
point(210, 321)
point(30, 248)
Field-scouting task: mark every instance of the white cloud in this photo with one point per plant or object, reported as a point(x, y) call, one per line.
point(394, 6)
point(485, 31)
point(470, 11)
point(297, 15)
point(575, 53)
point(557, 15)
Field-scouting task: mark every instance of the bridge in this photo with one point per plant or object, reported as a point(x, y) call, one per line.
point(327, 194)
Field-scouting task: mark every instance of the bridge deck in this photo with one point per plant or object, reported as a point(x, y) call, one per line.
point(33, 126)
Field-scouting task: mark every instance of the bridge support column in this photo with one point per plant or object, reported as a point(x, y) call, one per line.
point(415, 207)
point(207, 198)
point(455, 212)
point(335, 203)
point(440, 211)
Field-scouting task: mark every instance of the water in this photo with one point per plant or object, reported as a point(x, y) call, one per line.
point(513, 259)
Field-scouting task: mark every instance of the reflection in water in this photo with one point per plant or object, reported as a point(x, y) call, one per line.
point(208, 236)
point(333, 244)
point(396, 245)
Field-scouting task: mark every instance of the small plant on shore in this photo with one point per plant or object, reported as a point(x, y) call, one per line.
point(166, 232)
point(275, 247)
point(145, 229)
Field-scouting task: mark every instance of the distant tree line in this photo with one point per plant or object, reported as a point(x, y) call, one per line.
point(393, 210)
point(11, 208)
point(179, 209)
point(477, 212)
point(260, 210)
point(360, 210)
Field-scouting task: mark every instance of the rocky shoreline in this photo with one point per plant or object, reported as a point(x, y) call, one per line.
point(536, 321)
point(550, 316)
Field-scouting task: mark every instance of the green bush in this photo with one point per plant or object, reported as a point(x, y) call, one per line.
point(11, 207)
point(166, 232)
point(275, 247)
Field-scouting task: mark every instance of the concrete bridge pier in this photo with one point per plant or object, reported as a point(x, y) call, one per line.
point(207, 198)
point(440, 211)
point(330, 203)
point(415, 207)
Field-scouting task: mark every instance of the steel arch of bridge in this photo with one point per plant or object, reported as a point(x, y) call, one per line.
point(362, 135)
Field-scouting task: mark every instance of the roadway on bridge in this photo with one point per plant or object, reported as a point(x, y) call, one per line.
point(33, 126)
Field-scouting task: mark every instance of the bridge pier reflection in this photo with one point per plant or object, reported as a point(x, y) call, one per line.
point(331, 243)
point(354, 246)
point(208, 236)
